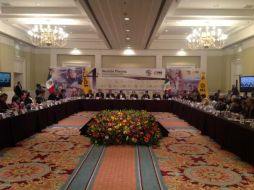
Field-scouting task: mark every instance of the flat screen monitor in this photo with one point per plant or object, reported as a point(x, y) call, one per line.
point(5, 79)
point(246, 83)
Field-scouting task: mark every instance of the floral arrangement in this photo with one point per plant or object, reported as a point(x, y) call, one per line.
point(124, 127)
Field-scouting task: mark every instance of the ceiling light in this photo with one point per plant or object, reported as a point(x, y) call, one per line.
point(128, 38)
point(127, 30)
point(129, 51)
point(181, 52)
point(48, 36)
point(206, 37)
point(50, 21)
point(75, 51)
point(126, 18)
point(205, 23)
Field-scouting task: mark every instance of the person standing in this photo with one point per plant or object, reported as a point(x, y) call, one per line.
point(18, 89)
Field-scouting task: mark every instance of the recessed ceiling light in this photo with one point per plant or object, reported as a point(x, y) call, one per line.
point(129, 51)
point(181, 52)
point(127, 30)
point(126, 18)
point(75, 51)
point(128, 38)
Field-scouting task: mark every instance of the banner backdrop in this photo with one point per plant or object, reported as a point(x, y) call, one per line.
point(79, 80)
point(181, 79)
point(75, 80)
point(130, 79)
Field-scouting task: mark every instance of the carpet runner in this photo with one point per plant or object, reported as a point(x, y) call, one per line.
point(117, 167)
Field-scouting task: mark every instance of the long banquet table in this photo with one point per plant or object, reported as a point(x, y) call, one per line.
point(232, 136)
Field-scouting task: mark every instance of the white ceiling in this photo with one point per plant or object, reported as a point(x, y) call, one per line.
point(153, 24)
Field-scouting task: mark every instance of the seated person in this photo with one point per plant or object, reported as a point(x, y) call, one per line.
point(89, 95)
point(248, 110)
point(166, 95)
point(99, 94)
point(23, 96)
point(156, 96)
point(3, 105)
point(40, 97)
point(110, 95)
point(220, 104)
point(121, 95)
point(28, 99)
point(195, 96)
point(15, 103)
point(235, 105)
point(145, 96)
point(133, 95)
point(53, 96)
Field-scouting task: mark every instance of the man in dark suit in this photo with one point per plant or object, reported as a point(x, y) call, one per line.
point(89, 95)
point(18, 89)
point(145, 96)
point(99, 95)
point(166, 95)
point(110, 95)
point(121, 96)
point(156, 96)
point(133, 95)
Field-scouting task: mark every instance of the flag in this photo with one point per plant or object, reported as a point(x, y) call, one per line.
point(86, 81)
point(50, 83)
point(202, 85)
point(166, 85)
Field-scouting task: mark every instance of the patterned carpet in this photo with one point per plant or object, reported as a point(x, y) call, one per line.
point(47, 159)
point(190, 161)
point(122, 167)
point(187, 159)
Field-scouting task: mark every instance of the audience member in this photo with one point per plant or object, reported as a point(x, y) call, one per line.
point(248, 110)
point(121, 95)
point(15, 103)
point(110, 95)
point(235, 105)
point(145, 96)
point(133, 95)
point(28, 99)
point(3, 104)
point(99, 94)
point(220, 104)
point(235, 90)
point(216, 95)
point(40, 97)
point(18, 89)
point(166, 95)
point(156, 96)
point(89, 95)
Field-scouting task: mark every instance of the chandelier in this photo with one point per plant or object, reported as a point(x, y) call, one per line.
point(206, 37)
point(48, 36)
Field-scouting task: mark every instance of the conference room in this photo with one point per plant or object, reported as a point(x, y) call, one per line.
point(126, 94)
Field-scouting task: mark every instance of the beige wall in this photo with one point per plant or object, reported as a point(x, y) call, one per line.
point(247, 56)
point(7, 59)
point(215, 73)
point(181, 61)
point(39, 69)
point(109, 61)
point(75, 60)
point(35, 65)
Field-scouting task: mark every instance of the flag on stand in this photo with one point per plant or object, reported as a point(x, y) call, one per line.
point(50, 83)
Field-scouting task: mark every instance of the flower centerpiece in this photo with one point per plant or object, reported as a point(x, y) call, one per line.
point(123, 127)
